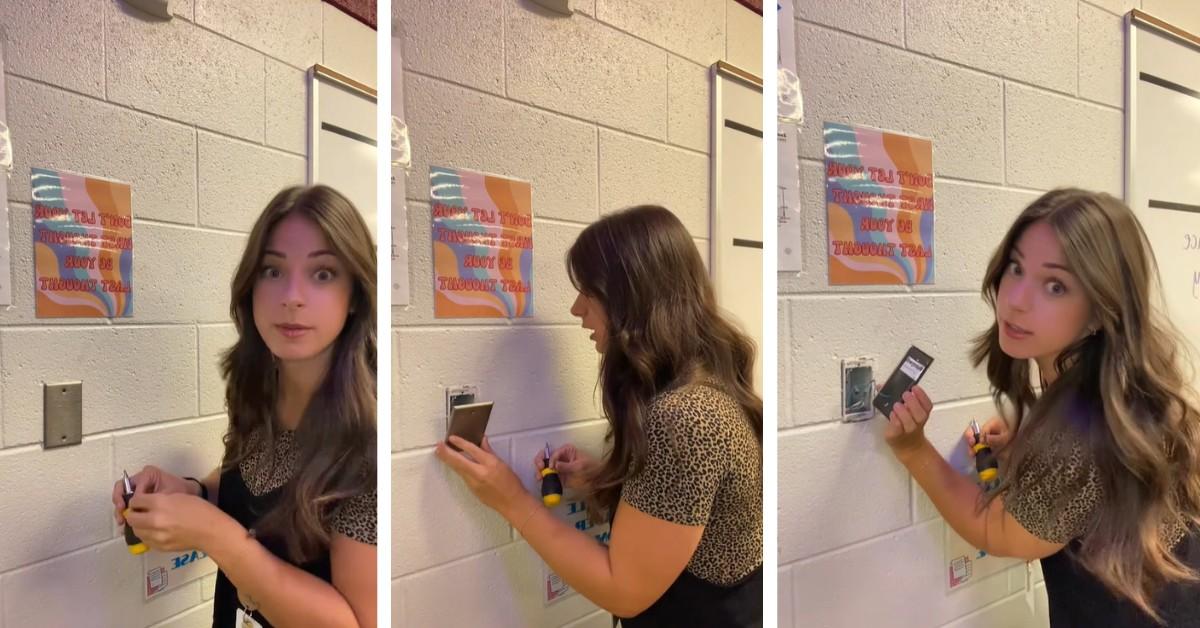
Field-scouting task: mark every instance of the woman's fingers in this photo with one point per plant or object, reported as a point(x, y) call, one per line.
point(573, 466)
point(146, 480)
point(137, 520)
point(118, 500)
point(562, 455)
point(143, 502)
point(895, 428)
point(915, 408)
point(923, 399)
point(477, 453)
point(904, 417)
point(995, 425)
point(455, 460)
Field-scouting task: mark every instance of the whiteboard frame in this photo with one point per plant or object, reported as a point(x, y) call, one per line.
point(320, 73)
point(1134, 20)
point(317, 76)
point(719, 71)
point(1134, 23)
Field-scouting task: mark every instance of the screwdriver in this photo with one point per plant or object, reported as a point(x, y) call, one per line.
point(136, 546)
point(985, 459)
point(551, 483)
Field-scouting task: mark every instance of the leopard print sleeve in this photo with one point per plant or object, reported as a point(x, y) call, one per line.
point(357, 518)
point(686, 459)
point(1057, 494)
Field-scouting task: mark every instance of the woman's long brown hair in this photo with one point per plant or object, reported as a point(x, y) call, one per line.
point(1125, 392)
point(336, 434)
point(664, 331)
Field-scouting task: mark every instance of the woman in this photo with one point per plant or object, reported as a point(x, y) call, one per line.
point(1101, 468)
point(294, 543)
point(681, 480)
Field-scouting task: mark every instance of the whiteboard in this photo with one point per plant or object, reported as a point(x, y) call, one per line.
point(1162, 160)
point(341, 139)
point(737, 202)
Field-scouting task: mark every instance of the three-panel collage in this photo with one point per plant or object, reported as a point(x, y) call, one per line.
point(599, 313)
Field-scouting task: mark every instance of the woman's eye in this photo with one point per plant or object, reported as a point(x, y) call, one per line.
point(1055, 288)
point(1014, 268)
point(324, 274)
point(269, 272)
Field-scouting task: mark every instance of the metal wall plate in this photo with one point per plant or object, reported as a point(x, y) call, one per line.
point(62, 414)
point(459, 396)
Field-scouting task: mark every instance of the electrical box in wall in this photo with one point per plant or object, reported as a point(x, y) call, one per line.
point(62, 414)
point(858, 389)
point(459, 396)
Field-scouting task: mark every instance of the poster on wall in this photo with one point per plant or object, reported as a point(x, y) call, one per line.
point(82, 245)
point(574, 512)
point(482, 244)
point(401, 162)
point(879, 205)
point(790, 230)
point(166, 571)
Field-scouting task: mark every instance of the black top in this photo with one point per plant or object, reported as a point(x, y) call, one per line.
point(1057, 498)
point(249, 491)
point(703, 467)
point(1079, 600)
point(236, 500)
point(693, 603)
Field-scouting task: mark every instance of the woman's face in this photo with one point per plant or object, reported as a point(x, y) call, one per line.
point(592, 315)
point(302, 293)
point(1041, 307)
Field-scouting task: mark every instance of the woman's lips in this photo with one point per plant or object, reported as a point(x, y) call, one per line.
point(1015, 332)
point(292, 331)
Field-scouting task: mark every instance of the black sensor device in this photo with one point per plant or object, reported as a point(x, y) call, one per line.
point(910, 370)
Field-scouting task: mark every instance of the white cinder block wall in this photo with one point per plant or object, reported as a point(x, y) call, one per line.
point(205, 116)
point(600, 110)
point(1018, 97)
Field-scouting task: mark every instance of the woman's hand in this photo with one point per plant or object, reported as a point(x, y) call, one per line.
point(175, 521)
point(905, 432)
point(995, 433)
point(150, 479)
point(488, 477)
point(573, 466)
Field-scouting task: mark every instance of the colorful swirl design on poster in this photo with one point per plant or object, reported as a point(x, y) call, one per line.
point(82, 245)
point(879, 202)
point(482, 234)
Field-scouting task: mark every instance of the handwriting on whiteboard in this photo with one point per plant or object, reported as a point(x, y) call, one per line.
point(1191, 242)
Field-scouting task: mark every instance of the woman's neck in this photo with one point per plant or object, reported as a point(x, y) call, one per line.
point(298, 382)
point(1047, 369)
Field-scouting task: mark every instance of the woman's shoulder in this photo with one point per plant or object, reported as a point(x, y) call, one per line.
point(705, 401)
point(356, 515)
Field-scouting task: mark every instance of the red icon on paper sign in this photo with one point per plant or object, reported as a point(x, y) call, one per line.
point(960, 571)
point(156, 581)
